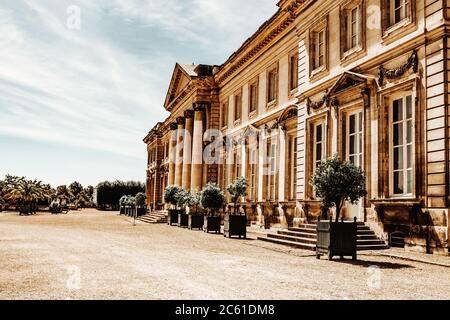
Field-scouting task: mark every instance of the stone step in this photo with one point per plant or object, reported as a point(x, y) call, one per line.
point(370, 242)
point(291, 238)
point(293, 244)
point(299, 234)
point(303, 230)
point(373, 247)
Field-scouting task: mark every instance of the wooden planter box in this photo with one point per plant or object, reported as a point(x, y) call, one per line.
point(211, 224)
point(196, 221)
point(336, 239)
point(183, 220)
point(235, 225)
point(173, 217)
point(122, 210)
point(141, 211)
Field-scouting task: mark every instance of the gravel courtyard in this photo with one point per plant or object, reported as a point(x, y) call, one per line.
point(94, 255)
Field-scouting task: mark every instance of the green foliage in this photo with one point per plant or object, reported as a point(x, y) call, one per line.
point(336, 181)
point(75, 189)
point(55, 206)
point(212, 198)
point(2, 201)
point(123, 200)
point(238, 189)
point(140, 199)
point(170, 194)
point(109, 193)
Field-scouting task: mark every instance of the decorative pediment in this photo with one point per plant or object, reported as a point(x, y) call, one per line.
point(347, 80)
point(181, 79)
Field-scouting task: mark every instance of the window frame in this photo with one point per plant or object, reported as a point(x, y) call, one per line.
point(225, 113)
point(348, 52)
point(293, 72)
point(274, 68)
point(403, 94)
point(391, 31)
point(315, 70)
point(237, 116)
point(255, 83)
point(323, 142)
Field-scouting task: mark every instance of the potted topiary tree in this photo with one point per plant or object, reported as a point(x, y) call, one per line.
point(336, 182)
point(55, 207)
point(141, 207)
point(235, 223)
point(196, 218)
point(212, 200)
point(182, 198)
point(170, 197)
point(122, 203)
point(2, 204)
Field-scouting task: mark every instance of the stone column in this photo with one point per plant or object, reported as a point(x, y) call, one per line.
point(197, 149)
point(281, 163)
point(261, 162)
point(187, 150)
point(172, 153)
point(179, 152)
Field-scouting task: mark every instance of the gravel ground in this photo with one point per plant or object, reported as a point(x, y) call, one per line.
point(93, 255)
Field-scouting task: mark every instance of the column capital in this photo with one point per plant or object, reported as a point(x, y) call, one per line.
point(201, 106)
point(181, 120)
point(173, 126)
point(188, 114)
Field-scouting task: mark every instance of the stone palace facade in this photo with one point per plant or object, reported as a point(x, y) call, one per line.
point(364, 79)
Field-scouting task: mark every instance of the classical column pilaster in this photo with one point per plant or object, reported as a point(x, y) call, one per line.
point(261, 162)
point(197, 149)
point(172, 153)
point(282, 163)
point(179, 152)
point(187, 150)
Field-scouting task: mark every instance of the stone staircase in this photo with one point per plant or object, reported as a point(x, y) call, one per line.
point(305, 236)
point(155, 217)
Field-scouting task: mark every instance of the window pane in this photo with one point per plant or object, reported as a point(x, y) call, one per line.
point(398, 182)
point(398, 158)
point(409, 112)
point(353, 160)
point(409, 181)
point(319, 152)
point(352, 144)
point(409, 126)
point(352, 124)
point(319, 133)
point(398, 134)
point(409, 157)
point(398, 110)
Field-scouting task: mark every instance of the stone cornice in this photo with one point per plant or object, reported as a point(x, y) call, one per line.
point(265, 35)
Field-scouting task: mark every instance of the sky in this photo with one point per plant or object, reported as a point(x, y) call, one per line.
point(82, 81)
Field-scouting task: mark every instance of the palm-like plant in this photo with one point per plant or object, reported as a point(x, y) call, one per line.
point(27, 192)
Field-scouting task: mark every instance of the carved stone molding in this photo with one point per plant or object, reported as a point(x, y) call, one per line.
point(181, 120)
point(173, 126)
point(189, 114)
point(412, 63)
point(316, 105)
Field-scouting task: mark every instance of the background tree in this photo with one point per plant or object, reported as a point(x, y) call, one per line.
point(75, 189)
point(237, 189)
point(212, 198)
point(336, 181)
point(109, 193)
point(140, 200)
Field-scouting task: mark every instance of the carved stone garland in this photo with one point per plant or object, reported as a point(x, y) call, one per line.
point(413, 62)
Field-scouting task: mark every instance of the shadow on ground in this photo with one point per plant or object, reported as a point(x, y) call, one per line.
point(381, 265)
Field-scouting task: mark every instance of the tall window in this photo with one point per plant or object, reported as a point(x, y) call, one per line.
point(253, 97)
point(355, 138)
point(319, 144)
point(271, 153)
point(253, 174)
point(293, 71)
point(272, 85)
point(292, 167)
point(319, 59)
point(225, 114)
point(237, 106)
point(402, 145)
point(398, 10)
point(351, 27)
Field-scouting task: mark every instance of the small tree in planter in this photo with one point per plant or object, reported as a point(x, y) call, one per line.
point(196, 219)
point(2, 204)
point(55, 207)
point(212, 200)
point(122, 203)
point(335, 183)
point(140, 204)
point(170, 197)
point(236, 224)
